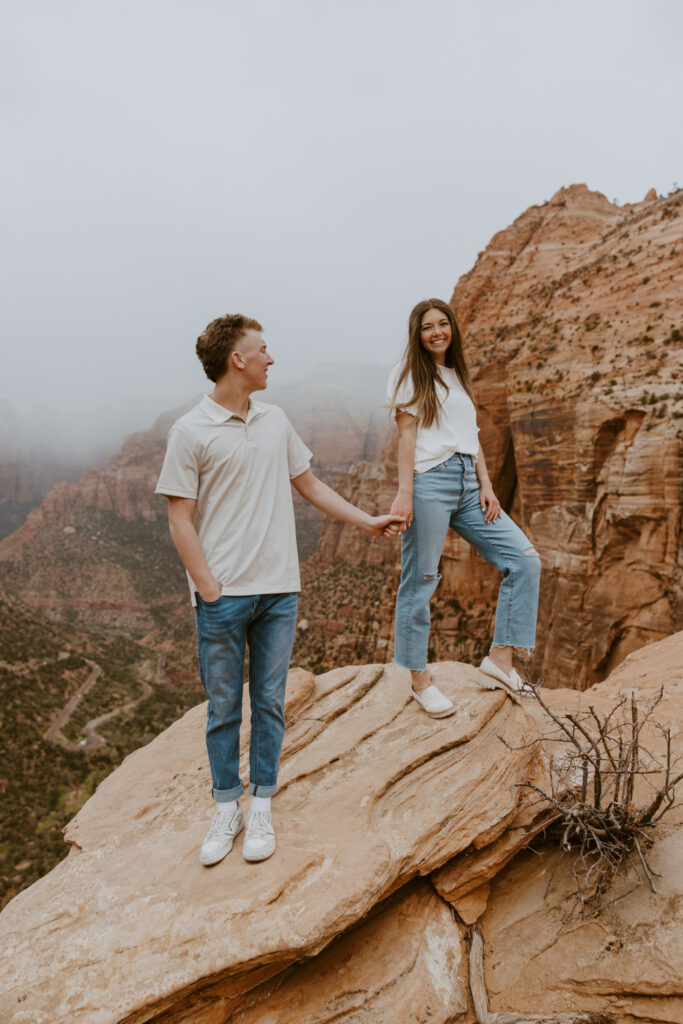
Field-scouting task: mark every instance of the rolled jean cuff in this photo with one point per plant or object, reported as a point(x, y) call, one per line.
point(222, 796)
point(258, 790)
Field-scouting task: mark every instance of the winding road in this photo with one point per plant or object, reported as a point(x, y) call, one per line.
point(65, 714)
point(92, 738)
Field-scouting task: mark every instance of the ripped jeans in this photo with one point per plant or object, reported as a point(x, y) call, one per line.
point(448, 495)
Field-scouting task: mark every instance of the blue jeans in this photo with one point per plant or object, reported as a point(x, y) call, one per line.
point(448, 495)
point(266, 624)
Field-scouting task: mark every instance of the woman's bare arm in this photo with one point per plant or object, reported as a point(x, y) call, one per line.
point(407, 434)
point(490, 505)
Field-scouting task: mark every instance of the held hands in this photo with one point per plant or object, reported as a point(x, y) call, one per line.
point(490, 505)
point(403, 506)
point(385, 526)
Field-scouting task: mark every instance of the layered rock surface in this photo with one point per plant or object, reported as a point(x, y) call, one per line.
point(374, 794)
point(355, 756)
point(625, 965)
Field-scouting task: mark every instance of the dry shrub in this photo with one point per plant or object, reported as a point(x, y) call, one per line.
point(611, 782)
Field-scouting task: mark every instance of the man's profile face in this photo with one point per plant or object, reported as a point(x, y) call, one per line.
point(255, 360)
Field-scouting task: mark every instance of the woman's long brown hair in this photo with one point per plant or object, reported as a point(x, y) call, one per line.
point(419, 366)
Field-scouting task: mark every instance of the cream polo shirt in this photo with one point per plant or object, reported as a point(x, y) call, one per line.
point(239, 473)
point(456, 429)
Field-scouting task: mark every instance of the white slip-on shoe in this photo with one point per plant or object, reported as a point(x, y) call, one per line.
point(496, 679)
point(433, 702)
point(225, 825)
point(259, 839)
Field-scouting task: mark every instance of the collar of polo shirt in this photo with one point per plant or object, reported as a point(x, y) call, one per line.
point(219, 414)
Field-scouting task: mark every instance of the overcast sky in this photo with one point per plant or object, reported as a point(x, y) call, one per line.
point(319, 165)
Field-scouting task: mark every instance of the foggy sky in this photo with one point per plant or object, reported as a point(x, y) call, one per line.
point(319, 165)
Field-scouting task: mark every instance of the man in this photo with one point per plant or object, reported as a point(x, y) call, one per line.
point(227, 476)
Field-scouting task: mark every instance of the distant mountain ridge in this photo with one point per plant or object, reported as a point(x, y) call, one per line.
point(30, 465)
point(65, 559)
point(32, 461)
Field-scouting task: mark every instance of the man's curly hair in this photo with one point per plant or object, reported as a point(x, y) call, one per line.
point(219, 338)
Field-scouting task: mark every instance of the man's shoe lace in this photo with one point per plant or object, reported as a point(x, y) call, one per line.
point(221, 824)
point(258, 825)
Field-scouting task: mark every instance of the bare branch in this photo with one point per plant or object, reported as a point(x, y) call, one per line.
point(609, 751)
point(645, 866)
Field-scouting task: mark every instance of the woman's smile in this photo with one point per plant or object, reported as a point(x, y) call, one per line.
point(436, 334)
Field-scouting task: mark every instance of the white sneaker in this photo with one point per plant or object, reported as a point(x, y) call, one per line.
point(259, 839)
point(433, 702)
point(511, 682)
point(225, 825)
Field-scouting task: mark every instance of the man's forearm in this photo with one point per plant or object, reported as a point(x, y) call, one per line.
point(184, 536)
point(332, 504)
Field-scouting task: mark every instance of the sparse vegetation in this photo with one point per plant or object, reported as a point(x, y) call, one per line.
point(611, 781)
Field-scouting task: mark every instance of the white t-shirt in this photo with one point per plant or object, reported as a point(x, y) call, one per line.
point(456, 430)
point(239, 473)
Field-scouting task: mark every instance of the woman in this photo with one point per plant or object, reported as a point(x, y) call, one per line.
point(443, 482)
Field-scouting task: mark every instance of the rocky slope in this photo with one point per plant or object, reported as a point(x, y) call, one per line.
point(24, 482)
point(376, 798)
point(54, 680)
point(95, 552)
point(38, 669)
point(573, 326)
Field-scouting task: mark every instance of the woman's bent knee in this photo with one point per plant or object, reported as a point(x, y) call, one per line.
point(530, 563)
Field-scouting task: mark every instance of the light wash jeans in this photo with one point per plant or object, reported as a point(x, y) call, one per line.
point(448, 495)
point(267, 624)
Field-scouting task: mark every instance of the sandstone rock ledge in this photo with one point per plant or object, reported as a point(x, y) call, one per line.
point(130, 928)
